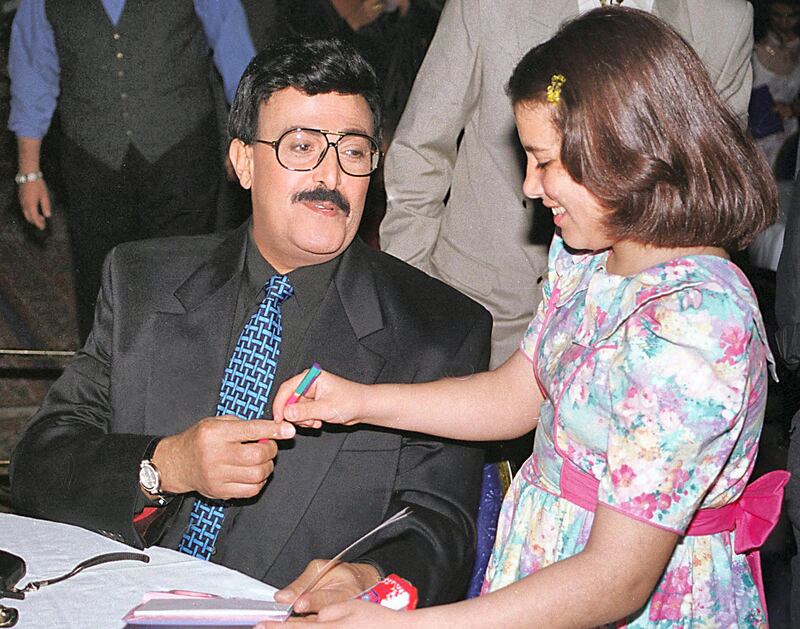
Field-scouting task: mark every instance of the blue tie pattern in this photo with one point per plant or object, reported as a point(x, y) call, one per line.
point(245, 389)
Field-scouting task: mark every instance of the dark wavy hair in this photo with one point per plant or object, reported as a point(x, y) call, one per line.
point(313, 66)
point(644, 131)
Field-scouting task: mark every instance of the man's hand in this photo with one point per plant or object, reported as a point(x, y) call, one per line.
point(220, 457)
point(34, 199)
point(341, 583)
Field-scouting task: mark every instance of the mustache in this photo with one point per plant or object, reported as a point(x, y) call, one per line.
point(325, 195)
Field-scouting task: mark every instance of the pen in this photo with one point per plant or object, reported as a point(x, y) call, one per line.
point(305, 383)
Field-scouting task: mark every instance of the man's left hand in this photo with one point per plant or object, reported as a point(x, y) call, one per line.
point(341, 583)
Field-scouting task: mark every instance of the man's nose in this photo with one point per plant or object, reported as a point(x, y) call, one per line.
point(329, 173)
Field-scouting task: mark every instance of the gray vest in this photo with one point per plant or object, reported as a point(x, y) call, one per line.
point(145, 81)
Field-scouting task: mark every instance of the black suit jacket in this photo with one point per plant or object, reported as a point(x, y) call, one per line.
point(153, 366)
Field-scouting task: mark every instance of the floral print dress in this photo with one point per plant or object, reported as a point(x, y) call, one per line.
point(655, 385)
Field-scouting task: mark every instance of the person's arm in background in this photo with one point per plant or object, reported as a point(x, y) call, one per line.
point(228, 34)
point(420, 161)
point(34, 71)
point(225, 25)
point(736, 78)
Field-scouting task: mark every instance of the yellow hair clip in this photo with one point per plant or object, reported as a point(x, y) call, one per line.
point(554, 89)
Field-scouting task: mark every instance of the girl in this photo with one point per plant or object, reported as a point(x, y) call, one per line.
point(645, 368)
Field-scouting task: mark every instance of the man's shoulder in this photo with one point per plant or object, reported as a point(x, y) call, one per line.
point(428, 329)
point(422, 293)
point(171, 249)
point(163, 262)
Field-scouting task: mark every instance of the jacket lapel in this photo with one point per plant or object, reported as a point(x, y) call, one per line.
point(184, 381)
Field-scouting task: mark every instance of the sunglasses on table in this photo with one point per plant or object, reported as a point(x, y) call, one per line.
point(13, 568)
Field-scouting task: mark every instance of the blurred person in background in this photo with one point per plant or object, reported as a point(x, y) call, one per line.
point(787, 312)
point(140, 151)
point(776, 71)
point(454, 171)
point(392, 34)
point(774, 106)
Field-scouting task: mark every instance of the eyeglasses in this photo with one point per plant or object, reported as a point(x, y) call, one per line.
point(304, 149)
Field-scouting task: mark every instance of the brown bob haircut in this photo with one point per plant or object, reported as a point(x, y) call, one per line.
point(643, 130)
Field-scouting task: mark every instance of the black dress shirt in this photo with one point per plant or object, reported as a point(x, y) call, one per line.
point(310, 283)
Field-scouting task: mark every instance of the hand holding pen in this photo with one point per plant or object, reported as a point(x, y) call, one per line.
point(305, 384)
point(306, 380)
point(316, 397)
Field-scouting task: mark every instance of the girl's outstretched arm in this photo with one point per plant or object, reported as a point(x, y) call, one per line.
point(612, 578)
point(499, 404)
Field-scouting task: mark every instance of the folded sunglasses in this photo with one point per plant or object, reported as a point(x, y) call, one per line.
point(13, 568)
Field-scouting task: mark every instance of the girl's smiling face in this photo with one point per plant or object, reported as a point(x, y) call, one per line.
point(577, 213)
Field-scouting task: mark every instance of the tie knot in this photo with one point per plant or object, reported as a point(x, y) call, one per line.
point(278, 288)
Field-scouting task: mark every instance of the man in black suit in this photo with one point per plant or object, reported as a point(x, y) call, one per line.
point(142, 392)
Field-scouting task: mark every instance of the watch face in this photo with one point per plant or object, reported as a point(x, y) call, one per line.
point(148, 477)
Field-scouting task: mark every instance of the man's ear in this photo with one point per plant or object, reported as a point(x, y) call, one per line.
point(241, 156)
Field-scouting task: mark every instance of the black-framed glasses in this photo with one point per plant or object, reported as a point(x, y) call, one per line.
point(303, 149)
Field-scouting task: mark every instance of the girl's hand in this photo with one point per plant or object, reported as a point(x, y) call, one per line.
point(330, 399)
point(355, 614)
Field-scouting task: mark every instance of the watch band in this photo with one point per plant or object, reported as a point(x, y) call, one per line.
point(151, 448)
point(160, 497)
point(21, 178)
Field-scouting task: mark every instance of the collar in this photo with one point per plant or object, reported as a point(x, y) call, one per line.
point(309, 282)
point(354, 276)
point(611, 299)
point(644, 5)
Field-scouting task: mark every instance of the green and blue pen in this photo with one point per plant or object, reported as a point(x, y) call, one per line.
point(305, 384)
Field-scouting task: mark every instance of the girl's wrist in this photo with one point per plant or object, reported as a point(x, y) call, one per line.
point(365, 412)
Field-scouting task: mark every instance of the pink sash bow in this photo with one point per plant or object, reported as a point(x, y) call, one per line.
point(753, 515)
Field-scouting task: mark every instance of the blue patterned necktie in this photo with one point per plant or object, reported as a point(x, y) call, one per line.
point(245, 389)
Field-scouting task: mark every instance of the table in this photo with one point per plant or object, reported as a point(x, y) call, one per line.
point(100, 596)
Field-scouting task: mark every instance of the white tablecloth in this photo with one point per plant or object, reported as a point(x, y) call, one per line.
point(100, 596)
